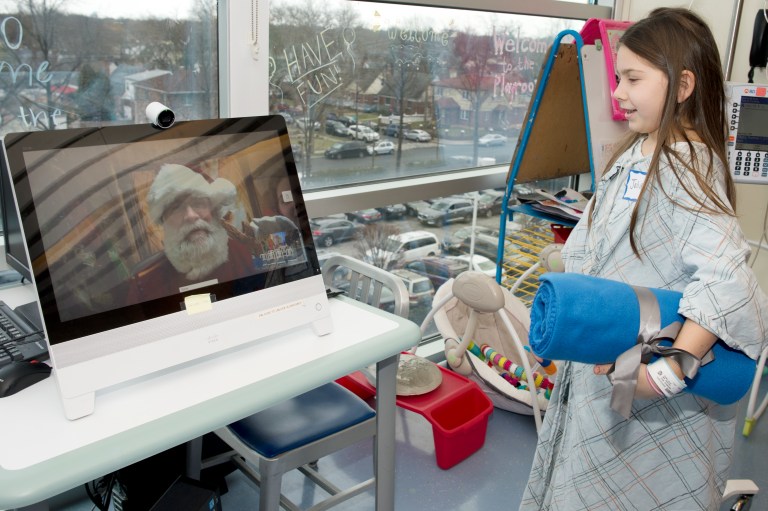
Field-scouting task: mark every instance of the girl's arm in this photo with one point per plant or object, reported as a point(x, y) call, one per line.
point(692, 338)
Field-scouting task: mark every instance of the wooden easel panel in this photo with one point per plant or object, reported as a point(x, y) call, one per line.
point(557, 146)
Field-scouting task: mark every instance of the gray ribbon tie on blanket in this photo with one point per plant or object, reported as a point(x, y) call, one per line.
point(623, 374)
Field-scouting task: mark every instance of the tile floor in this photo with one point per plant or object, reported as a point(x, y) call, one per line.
point(492, 478)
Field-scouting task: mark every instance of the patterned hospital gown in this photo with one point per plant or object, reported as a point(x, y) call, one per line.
point(671, 454)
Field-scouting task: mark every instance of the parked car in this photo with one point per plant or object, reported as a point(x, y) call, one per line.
point(488, 246)
point(328, 231)
point(484, 203)
point(417, 135)
point(420, 288)
point(360, 132)
point(446, 211)
point(386, 299)
point(392, 212)
point(346, 120)
point(340, 150)
point(304, 123)
point(374, 125)
point(492, 139)
point(414, 207)
point(288, 118)
point(402, 248)
point(478, 262)
point(383, 147)
point(458, 241)
point(336, 128)
point(392, 130)
point(491, 202)
point(365, 216)
point(437, 269)
point(340, 275)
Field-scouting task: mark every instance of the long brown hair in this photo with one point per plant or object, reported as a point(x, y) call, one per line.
point(674, 40)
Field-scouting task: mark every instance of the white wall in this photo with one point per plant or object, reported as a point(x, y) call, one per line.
point(752, 200)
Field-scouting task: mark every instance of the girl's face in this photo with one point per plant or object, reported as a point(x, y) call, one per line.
point(641, 92)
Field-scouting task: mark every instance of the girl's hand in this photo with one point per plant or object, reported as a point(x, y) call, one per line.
point(643, 389)
point(602, 368)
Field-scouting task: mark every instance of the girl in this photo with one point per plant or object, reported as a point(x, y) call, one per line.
point(676, 231)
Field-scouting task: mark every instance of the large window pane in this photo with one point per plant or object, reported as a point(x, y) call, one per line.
point(427, 242)
point(69, 63)
point(375, 91)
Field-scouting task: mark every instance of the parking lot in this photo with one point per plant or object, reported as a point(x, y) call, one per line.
point(407, 224)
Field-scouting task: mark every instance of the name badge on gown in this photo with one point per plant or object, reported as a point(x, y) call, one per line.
point(635, 180)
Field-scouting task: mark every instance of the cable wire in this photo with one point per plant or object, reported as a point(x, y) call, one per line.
point(763, 236)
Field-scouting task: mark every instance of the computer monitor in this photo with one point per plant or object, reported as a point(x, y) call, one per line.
point(151, 248)
point(15, 251)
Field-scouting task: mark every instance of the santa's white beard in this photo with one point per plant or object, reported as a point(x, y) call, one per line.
point(199, 256)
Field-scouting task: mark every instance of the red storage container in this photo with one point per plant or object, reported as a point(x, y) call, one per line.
point(561, 232)
point(458, 411)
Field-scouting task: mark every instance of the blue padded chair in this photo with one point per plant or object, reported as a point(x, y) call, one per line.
point(296, 433)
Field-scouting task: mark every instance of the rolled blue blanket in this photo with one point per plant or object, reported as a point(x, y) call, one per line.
point(594, 320)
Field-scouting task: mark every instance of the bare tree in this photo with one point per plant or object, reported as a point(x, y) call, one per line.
point(400, 78)
point(476, 62)
point(314, 67)
point(371, 245)
point(38, 54)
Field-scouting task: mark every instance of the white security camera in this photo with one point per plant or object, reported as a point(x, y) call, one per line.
point(160, 115)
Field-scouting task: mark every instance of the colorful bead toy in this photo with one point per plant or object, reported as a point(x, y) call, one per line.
point(510, 371)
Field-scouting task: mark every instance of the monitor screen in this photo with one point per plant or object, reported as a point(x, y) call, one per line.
point(15, 251)
point(131, 228)
point(753, 130)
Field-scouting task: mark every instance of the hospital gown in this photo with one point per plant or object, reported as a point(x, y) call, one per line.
point(671, 454)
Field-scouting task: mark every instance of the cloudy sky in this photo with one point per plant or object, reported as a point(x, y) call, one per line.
point(117, 8)
point(373, 15)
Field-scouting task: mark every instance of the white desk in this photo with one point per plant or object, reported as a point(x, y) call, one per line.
point(18, 295)
point(43, 454)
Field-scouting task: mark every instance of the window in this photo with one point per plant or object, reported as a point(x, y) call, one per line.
point(105, 62)
point(454, 74)
point(449, 75)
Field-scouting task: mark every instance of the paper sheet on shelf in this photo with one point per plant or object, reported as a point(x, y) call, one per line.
point(567, 203)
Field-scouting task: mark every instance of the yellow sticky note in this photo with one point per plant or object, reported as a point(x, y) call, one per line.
point(197, 303)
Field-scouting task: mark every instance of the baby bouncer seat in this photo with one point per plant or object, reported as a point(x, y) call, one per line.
point(485, 328)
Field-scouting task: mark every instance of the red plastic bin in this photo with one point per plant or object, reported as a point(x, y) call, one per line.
point(458, 411)
point(561, 232)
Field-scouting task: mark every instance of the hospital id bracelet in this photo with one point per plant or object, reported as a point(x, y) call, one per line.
point(665, 378)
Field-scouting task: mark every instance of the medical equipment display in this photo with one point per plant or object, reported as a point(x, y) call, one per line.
point(747, 110)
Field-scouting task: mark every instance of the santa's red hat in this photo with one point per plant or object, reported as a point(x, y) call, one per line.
point(174, 180)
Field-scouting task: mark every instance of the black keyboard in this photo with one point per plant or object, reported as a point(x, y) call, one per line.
point(21, 335)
